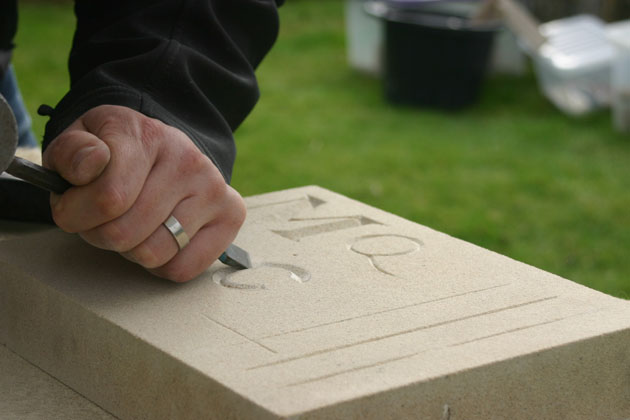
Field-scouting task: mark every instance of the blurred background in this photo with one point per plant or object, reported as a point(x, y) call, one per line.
point(527, 162)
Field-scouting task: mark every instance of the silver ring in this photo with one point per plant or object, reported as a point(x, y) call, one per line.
point(178, 232)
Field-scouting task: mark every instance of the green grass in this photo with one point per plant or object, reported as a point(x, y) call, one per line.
point(42, 45)
point(511, 174)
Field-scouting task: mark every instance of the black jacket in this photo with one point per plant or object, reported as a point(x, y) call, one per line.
point(188, 63)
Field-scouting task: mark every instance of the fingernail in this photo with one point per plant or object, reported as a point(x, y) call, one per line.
point(129, 256)
point(56, 203)
point(80, 157)
point(89, 162)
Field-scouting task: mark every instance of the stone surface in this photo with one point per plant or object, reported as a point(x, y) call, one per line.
point(34, 154)
point(348, 312)
point(12, 229)
point(27, 393)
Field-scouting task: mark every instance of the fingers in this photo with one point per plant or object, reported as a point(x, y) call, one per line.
point(158, 246)
point(111, 195)
point(117, 184)
point(204, 248)
point(168, 185)
point(130, 173)
point(77, 155)
point(196, 257)
point(162, 255)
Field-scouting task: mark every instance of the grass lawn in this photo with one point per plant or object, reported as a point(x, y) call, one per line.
point(511, 174)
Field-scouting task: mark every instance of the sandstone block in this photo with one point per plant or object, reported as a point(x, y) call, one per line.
point(349, 312)
point(27, 393)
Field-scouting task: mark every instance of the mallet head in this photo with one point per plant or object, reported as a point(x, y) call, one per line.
point(8, 134)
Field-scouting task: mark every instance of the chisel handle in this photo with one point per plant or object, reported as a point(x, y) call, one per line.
point(38, 175)
point(53, 182)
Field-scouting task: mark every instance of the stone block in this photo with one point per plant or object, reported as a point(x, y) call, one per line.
point(349, 312)
point(27, 393)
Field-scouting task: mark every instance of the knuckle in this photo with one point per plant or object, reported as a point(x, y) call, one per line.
point(150, 130)
point(193, 162)
point(112, 202)
point(237, 214)
point(214, 191)
point(146, 256)
point(114, 238)
point(235, 210)
point(60, 221)
point(194, 165)
point(108, 123)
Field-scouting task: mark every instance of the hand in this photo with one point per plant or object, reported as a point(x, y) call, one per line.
point(131, 173)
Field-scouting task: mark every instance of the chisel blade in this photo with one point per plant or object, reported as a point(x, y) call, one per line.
point(235, 256)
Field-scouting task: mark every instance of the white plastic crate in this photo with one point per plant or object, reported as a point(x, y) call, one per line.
point(619, 35)
point(573, 64)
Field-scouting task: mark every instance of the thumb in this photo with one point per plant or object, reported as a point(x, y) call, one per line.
point(78, 156)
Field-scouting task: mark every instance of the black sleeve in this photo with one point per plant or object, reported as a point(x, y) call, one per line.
point(188, 63)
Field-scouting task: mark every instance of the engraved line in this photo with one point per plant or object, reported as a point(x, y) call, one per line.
point(303, 232)
point(379, 268)
point(238, 333)
point(412, 330)
point(314, 202)
point(525, 327)
point(277, 203)
point(341, 372)
point(337, 223)
point(385, 311)
point(359, 218)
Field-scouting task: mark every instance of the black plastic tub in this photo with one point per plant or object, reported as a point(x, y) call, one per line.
point(434, 57)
